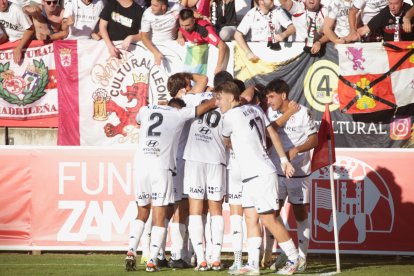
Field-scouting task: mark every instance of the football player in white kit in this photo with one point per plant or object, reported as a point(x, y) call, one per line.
point(178, 85)
point(244, 130)
point(204, 178)
point(154, 166)
point(298, 133)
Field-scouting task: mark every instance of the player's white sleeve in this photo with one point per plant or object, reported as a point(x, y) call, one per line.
point(140, 114)
point(310, 128)
point(227, 128)
point(187, 113)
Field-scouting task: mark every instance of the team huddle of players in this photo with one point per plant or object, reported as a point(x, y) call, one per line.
point(250, 146)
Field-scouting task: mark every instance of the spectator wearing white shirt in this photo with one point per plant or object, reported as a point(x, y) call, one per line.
point(81, 17)
point(16, 26)
point(336, 25)
point(264, 23)
point(308, 17)
point(159, 23)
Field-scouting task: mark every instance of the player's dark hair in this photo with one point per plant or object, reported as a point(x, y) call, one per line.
point(177, 82)
point(177, 103)
point(186, 14)
point(228, 87)
point(240, 84)
point(163, 2)
point(278, 86)
point(222, 76)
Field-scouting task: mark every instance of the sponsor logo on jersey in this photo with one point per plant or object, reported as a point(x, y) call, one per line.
point(204, 130)
point(152, 143)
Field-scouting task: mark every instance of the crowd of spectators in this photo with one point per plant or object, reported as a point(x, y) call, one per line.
point(314, 22)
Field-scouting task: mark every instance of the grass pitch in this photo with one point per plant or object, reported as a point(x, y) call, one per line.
point(113, 264)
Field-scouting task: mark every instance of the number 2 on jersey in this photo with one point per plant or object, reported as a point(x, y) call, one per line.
point(157, 118)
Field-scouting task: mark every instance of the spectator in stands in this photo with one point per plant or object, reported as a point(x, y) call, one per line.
point(389, 22)
point(336, 25)
point(80, 19)
point(366, 9)
point(264, 23)
point(308, 17)
point(159, 23)
point(47, 20)
point(201, 7)
point(15, 26)
point(224, 19)
point(201, 31)
point(120, 20)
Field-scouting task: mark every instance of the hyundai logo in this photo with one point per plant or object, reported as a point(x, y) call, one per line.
point(152, 143)
point(204, 130)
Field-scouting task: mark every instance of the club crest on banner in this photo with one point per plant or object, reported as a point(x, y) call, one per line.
point(360, 193)
point(65, 57)
point(355, 55)
point(25, 89)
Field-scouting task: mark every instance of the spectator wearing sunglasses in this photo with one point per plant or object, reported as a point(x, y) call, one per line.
point(80, 19)
point(120, 20)
point(47, 20)
point(15, 26)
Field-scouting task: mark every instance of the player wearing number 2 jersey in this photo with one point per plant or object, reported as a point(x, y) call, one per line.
point(160, 129)
point(244, 129)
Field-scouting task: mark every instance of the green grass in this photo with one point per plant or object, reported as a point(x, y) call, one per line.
point(113, 264)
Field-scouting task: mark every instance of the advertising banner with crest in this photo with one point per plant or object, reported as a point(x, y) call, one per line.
point(92, 198)
point(28, 90)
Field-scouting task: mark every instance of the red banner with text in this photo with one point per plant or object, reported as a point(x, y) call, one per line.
point(77, 198)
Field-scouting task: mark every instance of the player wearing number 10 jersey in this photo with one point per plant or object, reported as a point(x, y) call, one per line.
point(160, 129)
point(204, 178)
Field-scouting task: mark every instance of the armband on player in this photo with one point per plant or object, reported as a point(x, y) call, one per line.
point(283, 160)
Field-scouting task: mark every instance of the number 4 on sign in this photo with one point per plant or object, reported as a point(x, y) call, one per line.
point(324, 88)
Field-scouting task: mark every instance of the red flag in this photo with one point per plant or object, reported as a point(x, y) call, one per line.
point(321, 153)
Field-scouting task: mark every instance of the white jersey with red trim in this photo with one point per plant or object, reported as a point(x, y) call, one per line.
point(160, 129)
point(205, 139)
point(246, 127)
point(294, 132)
point(301, 19)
